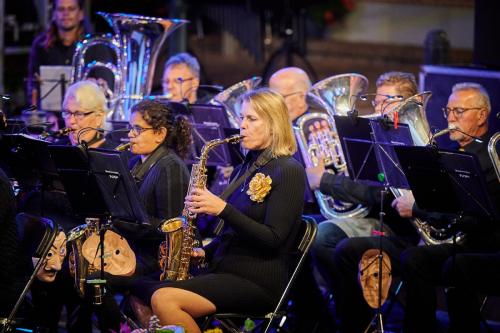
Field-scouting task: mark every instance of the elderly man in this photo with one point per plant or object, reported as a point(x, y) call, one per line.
point(426, 267)
point(181, 78)
point(292, 83)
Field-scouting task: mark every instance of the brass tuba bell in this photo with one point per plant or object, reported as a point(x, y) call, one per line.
point(340, 92)
point(333, 95)
point(136, 43)
point(229, 98)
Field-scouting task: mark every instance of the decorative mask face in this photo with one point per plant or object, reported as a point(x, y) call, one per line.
point(53, 260)
point(369, 276)
point(119, 258)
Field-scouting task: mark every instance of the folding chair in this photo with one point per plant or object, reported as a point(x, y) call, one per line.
point(33, 230)
point(307, 234)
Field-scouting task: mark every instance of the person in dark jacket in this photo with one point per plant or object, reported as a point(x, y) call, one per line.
point(426, 267)
point(249, 262)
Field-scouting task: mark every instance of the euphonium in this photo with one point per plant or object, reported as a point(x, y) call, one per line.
point(136, 43)
point(175, 252)
point(411, 111)
point(229, 98)
point(317, 138)
point(492, 150)
point(317, 135)
point(340, 92)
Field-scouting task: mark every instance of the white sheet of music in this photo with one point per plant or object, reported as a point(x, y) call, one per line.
point(50, 86)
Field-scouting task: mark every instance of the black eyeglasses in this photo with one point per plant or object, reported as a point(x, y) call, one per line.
point(457, 112)
point(79, 115)
point(137, 130)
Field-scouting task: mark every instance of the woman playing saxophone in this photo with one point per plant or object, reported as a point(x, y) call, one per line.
point(159, 141)
point(248, 267)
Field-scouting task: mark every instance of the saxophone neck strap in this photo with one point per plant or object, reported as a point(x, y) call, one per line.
point(141, 169)
point(262, 160)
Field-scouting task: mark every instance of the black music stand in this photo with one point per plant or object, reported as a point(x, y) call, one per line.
point(369, 148)
point(209, 114)
point(79, 183)
point(117, 186)
point(447, 181)
point(27, 159)
point(202, 133)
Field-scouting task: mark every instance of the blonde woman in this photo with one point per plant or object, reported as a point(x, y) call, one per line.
point(248, 262)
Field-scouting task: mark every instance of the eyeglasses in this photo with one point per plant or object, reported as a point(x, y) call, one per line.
point(285, 96)
point(137, 130)
point(457, 112)
point(79, 115)
point(388, 99)
point(179, 80)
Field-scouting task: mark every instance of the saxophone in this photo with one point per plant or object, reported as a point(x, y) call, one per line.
point(175, 252)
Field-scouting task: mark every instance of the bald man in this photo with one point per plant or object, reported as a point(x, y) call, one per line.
point(292, 83)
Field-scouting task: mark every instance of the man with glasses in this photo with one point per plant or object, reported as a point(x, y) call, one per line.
point(341, 278)
point(426, 267)
point(293, 84)
point(181, 78)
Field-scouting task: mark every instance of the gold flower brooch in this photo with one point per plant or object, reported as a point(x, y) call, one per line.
point(259, 187)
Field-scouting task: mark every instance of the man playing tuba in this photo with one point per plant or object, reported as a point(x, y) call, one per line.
point(392, 88)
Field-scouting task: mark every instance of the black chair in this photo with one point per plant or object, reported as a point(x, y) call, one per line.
point(37, 236)
point(304, 242)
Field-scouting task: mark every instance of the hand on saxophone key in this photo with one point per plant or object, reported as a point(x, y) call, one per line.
point(404, 204)
point(197, 255)
point(204, 201)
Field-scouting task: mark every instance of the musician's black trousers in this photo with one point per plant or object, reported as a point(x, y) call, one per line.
point(426, 267)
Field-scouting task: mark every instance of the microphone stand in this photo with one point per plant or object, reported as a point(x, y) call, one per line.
point(100, 283)
point(378, 316)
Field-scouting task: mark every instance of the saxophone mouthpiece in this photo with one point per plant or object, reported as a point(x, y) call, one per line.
point(124, 146)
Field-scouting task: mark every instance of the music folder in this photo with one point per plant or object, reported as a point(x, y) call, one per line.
point(446, 181)
point(54, 81)
point(28, 160)
point(80, 184)
point(368, 147)
point(118, 188)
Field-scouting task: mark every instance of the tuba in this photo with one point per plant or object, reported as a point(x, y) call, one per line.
point(175, 252)
point(135, 45)
point(317, 136)
point(340, 92)
point(229, 98)
point(411, 111)
point(493, 152)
